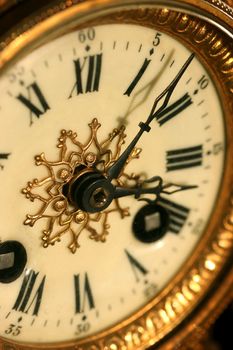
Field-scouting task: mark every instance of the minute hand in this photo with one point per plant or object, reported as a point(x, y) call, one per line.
point(115, 170)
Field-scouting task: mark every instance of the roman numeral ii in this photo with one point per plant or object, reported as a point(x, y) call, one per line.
point(174, 109)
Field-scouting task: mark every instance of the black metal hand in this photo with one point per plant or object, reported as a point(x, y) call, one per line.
point(169, 189)
point(115, 170)
point(138, 191)
point(176, 188)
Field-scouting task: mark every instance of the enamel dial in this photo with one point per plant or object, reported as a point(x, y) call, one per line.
point(66, 103)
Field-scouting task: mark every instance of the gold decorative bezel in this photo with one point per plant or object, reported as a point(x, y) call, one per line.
point(161, 321)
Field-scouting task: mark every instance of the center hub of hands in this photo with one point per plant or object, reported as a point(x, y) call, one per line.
point(91, 192)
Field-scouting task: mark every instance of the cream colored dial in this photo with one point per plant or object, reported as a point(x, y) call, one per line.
point(110, 73)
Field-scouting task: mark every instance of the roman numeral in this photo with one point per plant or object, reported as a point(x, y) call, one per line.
point(178, 214)
point(87, 72)
point(3, 156)
point(137, 77)
point(30, 294)
point(83, 294)
point(174, 109)
point(137, 268)
point(35, 101)
point(184, 158)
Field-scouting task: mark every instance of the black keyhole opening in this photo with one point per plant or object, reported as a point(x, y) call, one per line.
point(13, 258)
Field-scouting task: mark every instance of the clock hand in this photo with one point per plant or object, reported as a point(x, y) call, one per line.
point(156, 190)
point(176, 188)
point(114, 171)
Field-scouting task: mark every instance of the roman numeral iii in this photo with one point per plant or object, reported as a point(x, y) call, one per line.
point(30, 294)
point(184, 158)
point(87, 74)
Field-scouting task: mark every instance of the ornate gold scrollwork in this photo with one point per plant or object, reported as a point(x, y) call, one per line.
point(74, 159)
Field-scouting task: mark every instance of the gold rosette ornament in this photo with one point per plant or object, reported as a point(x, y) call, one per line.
point(75, 159)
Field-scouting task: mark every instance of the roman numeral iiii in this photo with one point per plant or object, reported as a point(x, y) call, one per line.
point(184, 158)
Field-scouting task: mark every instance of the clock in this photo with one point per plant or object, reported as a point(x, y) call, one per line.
point(116, 173)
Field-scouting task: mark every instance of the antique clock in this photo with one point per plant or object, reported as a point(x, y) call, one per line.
point(116, 169)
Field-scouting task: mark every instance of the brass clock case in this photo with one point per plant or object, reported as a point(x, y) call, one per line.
point(180, 315)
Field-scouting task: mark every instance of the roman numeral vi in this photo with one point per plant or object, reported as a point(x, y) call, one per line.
point(83, 294)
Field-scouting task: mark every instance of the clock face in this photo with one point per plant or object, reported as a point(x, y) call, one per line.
point(65, 104)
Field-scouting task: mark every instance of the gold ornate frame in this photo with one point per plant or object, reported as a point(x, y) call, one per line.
point(206, 278)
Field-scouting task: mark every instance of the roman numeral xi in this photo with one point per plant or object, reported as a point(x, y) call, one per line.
point(35, 100)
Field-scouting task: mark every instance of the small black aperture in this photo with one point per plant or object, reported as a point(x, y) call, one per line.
point(13, 258)
point(150, 223)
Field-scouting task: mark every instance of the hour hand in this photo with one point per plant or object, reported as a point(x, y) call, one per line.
point(159, 188)
point(171, 188)
point(140, 190)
